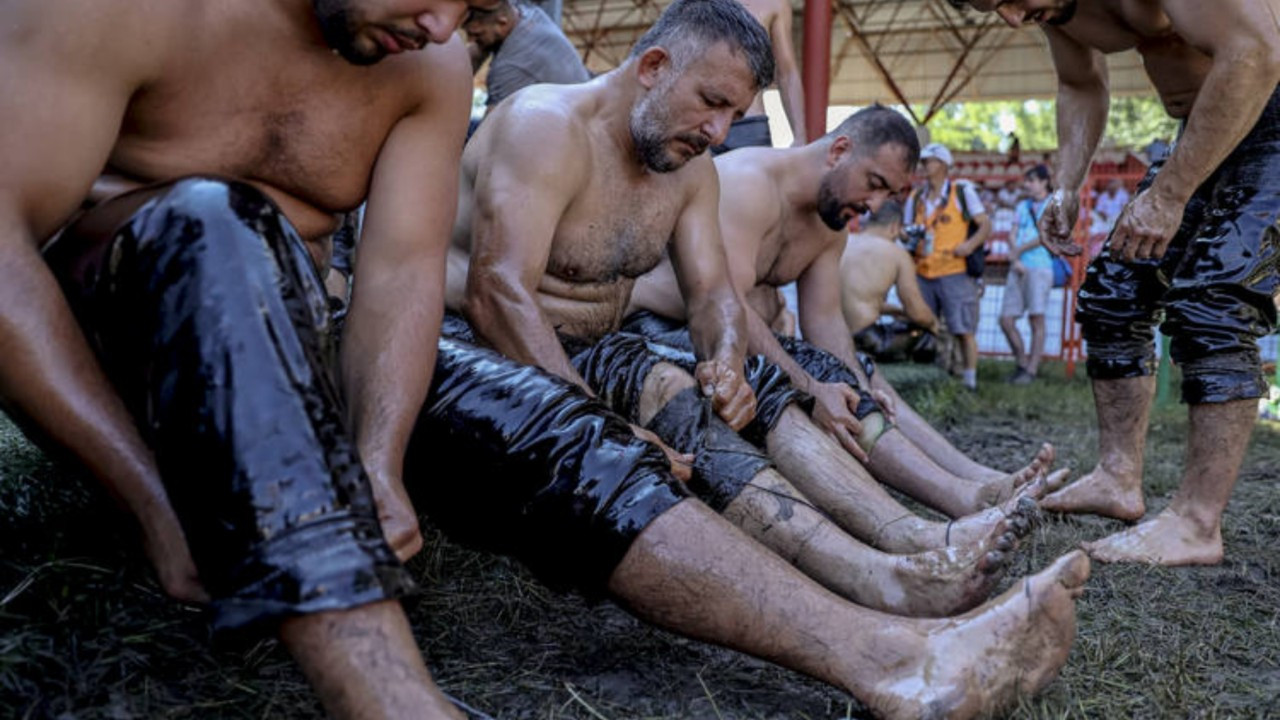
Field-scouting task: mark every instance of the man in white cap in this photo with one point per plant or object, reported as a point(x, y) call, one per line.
point(953, 225)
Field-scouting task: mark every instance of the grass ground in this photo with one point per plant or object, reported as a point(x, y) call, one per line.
point(85, 634)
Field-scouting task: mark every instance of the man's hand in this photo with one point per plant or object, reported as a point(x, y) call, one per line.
point(833, 406)
point(887, 407)
point(681, 463)
point(964, 249)
point(166, 548)
point(1058, 222)
point(731, 396)
point(1146, 226)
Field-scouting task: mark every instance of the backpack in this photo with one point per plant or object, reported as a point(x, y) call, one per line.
point(975, 263)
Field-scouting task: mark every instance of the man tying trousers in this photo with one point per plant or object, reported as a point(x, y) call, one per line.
point(782, 214)
point(173, 339)
point(569, 192)
point(1199, 242)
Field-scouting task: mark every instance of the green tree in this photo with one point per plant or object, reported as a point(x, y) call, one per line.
point(1132, 122)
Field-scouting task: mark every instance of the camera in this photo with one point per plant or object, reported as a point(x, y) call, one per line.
point(912, 236)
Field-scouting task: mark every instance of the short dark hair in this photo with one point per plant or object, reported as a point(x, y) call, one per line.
point(876, 125)
point(1040, 172)
point(687, 27)
point(889, 212)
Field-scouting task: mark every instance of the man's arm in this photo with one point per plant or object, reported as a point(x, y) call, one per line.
point(518, 200)
point(717, 314)
point(790, 87)
point(1084, 100)
point(1243, 39)
point(917, 310)
point(67, 71)
point(389, 347)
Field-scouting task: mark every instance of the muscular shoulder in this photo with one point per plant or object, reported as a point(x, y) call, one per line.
point(542, 130)
point(748, 186)
point(125, 39)
point(444, 75)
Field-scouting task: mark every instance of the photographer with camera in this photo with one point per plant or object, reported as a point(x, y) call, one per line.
point(951, 227)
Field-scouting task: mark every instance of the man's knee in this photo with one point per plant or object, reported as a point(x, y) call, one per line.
point(662, 384)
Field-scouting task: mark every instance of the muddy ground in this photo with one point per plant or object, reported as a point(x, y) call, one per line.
point(84, 632)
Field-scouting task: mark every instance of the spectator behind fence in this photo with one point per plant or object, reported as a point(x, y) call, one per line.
point(523, 46)
point(1030, 278)
point(954, 224)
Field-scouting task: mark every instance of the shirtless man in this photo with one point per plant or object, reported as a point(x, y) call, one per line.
point(1199, 240)
point(555, 183)
point(172, 338)
point(753, 128)
point(782, 213)
point(873, 263)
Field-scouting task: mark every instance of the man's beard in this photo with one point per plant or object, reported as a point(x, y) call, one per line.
point(830, 209)
point(649, 121)
point(340, 28)
point(1064, 14)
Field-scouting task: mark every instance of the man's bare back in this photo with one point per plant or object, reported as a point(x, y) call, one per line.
point(869, 267)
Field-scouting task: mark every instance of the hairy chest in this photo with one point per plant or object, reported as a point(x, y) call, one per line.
point(304, 123)
point(615, 230)
point(786, 253)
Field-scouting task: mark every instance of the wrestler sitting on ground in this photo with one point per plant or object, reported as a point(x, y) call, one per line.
point(1196, 249)
point(174, 339)
point(782, 213)
point(872, 264)
point(545, 260)
point(556, 181)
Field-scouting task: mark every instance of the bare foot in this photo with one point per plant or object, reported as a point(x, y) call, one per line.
point(981, 661)
point(941, 583)
point(396, 515)
point(1166, 539)
point(1101, 493)
point(166, 548)
point(1000, 488)
point(1042, 485)
point(914, 534)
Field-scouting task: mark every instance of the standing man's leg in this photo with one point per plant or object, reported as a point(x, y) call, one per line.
point(207, 314)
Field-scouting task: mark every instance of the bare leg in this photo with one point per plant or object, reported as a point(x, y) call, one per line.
point(1189, 531)
point(1009, 325)
point(1114, 488)
point(937, 583)
point(691, 572)
point(364, 664)
point(1032, 363)
point(937, 447)
point(822, 470)
point(969, 349)
point(900, 464)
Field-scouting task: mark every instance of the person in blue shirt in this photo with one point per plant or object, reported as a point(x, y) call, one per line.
point(1026, 289)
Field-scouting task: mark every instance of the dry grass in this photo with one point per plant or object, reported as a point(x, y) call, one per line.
point(85, 634)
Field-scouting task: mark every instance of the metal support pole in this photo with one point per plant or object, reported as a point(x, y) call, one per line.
point(817, 66)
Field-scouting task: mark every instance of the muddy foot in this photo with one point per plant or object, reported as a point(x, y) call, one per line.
point(999, 489)
point(1101, 493)
point(1166, 539)
point(941, 583)
point(981, 661)
point(1041, 486)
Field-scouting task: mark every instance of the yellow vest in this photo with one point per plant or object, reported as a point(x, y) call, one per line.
point(949, 229)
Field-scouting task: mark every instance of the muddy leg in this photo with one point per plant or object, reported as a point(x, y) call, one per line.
point(930, 584)
point(822, 470)
point(364, 664)
point(936, 446)
point(1189, 531)
point(693, 573)
point(1114, 488)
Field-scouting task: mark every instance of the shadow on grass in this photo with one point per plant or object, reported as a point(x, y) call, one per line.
point(85, 633)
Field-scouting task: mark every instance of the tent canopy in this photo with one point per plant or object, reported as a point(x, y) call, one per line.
point(921, 53)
